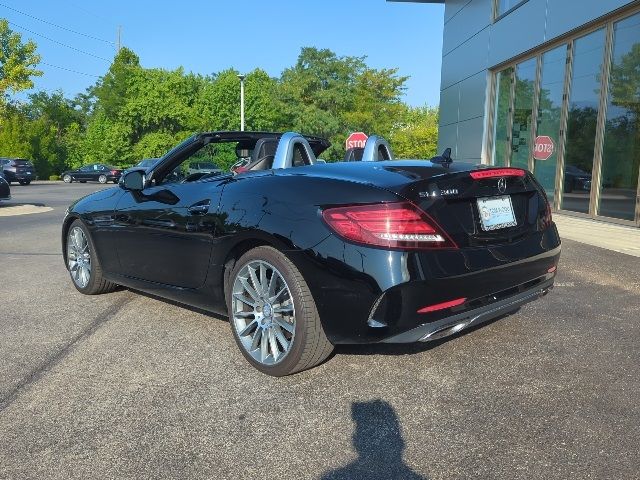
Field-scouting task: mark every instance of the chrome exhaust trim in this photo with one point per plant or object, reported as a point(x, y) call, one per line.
point(444, 332)
point(456, 323)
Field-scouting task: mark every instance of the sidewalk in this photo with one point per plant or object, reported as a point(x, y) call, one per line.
point(618, 238)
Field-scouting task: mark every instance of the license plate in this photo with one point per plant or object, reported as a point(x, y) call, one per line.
point(496, 212)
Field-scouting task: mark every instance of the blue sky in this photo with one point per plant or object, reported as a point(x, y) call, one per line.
point(206, 37)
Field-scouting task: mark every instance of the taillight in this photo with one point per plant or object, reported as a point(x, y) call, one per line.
point(391, 225)
point(497, 172)
point(114, 172)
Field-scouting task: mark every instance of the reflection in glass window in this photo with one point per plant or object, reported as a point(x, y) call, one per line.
point(523, 113)
point(506, 5)
point(549, 112)
point(582, 121)
point(621, 153)
point(501, 127)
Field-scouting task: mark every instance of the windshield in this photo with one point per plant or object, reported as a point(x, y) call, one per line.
point(148, 162)
point(22, 163)
point(208, 166)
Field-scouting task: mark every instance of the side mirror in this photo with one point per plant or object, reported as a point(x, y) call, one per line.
point(133, 180)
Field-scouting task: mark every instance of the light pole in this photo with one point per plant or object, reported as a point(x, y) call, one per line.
point(241, 77)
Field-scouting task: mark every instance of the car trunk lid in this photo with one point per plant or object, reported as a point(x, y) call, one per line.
point(458, 201)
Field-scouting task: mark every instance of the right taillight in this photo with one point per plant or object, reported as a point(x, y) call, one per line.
point(391, 225)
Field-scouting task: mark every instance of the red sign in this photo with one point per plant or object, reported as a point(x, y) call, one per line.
point(356, 140)
point(543, 147)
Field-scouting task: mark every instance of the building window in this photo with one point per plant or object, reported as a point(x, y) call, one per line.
point(523, 113)
point(501, 149)
point(573, 112)
point(505, 6)
point(582, 121)
point(621, 151)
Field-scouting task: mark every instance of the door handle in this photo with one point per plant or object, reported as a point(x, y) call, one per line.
point(200, 208)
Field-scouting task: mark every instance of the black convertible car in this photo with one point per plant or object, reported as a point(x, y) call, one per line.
point(303, 255)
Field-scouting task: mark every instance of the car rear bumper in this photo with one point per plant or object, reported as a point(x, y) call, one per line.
point(367, 295)
point(457, 322)
point(19, 177)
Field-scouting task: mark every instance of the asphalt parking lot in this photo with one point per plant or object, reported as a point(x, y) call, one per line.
point(127, 386)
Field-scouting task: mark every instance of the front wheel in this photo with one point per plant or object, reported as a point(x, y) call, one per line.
point(273, 315)
point(102, 179)
point(67, 179)
point(82, 262)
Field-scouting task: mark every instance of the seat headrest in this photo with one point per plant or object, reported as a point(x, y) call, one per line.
point(264, 147)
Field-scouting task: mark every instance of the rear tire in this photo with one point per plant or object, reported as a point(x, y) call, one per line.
point(25, 182)
point(288, 321)
point(102, 179)
point(67, 179)
point(81, 254)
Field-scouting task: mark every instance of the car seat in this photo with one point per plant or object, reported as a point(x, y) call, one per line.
point(263, 154)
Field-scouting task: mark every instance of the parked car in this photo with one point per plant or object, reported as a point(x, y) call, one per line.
point(302, 257)
point(576, 179)
point(5, 189)
point(96, 172)
point(18, 170)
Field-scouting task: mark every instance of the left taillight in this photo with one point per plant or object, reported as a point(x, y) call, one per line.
point(390, 225)
point(115, 172)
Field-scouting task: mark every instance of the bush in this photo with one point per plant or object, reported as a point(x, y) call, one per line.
point(54, 178)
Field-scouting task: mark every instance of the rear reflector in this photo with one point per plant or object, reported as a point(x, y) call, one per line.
point(552, 269)
point(442, 306)
point(497, 172)
point(392, 225)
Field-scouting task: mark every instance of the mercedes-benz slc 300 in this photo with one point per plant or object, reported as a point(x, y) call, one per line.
point(301, 255)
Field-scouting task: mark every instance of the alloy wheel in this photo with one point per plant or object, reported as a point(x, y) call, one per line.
point(102, 179)
point(79, 257)
point(263, 312)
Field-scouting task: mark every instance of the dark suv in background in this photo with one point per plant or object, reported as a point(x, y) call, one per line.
point(18, 170)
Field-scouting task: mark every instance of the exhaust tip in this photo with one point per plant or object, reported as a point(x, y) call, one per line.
point(445, 332)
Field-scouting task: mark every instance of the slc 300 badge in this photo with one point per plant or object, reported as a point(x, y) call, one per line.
point(445, 192)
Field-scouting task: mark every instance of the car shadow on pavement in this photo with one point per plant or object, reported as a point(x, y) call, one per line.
point(409, 348)
point(378, 441)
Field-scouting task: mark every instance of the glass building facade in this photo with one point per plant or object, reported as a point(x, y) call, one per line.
point(552, 86)
point(584, 94)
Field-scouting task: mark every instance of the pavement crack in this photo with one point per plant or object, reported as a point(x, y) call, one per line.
point(60, 355)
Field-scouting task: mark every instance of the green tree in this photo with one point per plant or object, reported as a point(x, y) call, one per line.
point(416, 135)
point(331, 96)
point(17, 63)
point(111, 91)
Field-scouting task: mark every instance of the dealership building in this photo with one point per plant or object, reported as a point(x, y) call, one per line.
point(552, 86)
